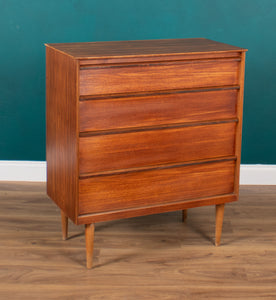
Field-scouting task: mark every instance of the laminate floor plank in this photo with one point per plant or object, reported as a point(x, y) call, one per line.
point(150, 257)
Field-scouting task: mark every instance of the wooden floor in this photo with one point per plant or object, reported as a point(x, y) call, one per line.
point(152, 257)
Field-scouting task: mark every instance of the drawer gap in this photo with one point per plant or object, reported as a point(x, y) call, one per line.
point(151, 128)
point(157, 167)
point(154, 63)
point(159, 92)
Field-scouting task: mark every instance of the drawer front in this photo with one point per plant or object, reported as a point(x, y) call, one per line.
point(144, 148)
point(99, 80)
point(138, 189)
point(153, 110)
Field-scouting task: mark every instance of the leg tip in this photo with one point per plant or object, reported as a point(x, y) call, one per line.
point(184, 216)
point(88, 266)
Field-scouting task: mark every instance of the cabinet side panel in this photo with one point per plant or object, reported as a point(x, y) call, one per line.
point(61, 131)
point(239, 124)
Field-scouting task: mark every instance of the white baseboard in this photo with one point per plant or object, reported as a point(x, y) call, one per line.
point(12, 170)
point(36, 171)
point(258, 174)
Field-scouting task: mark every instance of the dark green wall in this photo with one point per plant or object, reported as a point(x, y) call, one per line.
point(26, 25)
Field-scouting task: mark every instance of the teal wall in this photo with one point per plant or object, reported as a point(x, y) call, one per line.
point(26, 25)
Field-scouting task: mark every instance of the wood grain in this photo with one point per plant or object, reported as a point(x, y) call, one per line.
point(146, 148)
point(158, 76)
point(155, 209)
point(152, 48)
point(115, 160)
point(149, 257)
point(153, 58)
point(89, 240)
point(219, 222)
point(122, 191)
point(62, 131)
point(160, 58)
point(169, 68)
point(238, 135)
point(178, 107)
point(64, 225)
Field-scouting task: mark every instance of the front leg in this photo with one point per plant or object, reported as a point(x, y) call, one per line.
point(219, 222)
point(89, 238)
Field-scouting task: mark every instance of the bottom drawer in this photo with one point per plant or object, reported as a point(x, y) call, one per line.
point(143, 188)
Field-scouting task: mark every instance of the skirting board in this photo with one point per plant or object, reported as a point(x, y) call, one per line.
point(36, 171)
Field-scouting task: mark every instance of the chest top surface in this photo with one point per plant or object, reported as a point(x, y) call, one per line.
point(92, 50)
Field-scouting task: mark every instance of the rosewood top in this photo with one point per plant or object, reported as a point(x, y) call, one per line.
point(94, 50)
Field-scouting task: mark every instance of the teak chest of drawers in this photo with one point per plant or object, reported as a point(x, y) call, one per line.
point(142, 127)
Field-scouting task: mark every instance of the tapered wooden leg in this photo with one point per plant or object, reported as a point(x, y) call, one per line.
point(64, 225)
point(184, 215)
point(219, 222)
point(89, 238)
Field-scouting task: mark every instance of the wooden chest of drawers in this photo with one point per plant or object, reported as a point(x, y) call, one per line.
point(142, 127)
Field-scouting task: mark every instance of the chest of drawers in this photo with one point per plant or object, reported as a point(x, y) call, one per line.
point(142, 127)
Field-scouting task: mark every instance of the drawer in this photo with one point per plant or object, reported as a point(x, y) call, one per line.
point(138, 189)
point(97, 80)
point(153, 110)
point(161, 146)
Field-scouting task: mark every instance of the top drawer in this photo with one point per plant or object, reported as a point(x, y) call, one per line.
point(109, 79)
